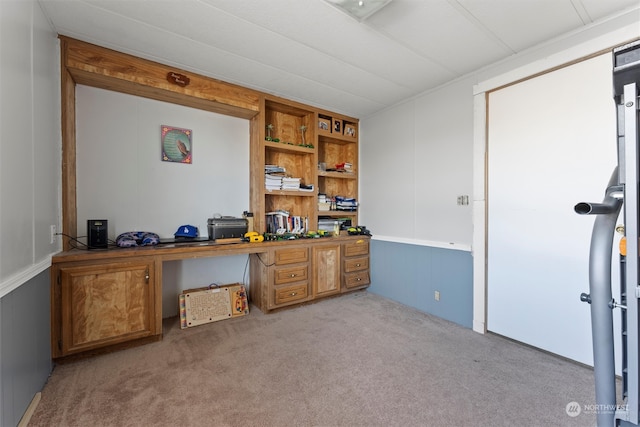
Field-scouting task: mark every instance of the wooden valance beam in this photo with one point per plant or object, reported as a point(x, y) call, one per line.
point(96, 66)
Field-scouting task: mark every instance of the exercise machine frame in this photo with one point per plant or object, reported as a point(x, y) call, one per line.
point(622, 193)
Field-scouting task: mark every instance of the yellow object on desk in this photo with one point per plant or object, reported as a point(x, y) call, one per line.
point(254, 237)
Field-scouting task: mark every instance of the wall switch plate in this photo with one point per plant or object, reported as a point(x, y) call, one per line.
point(463, 200)
point(436, 295)
point(53, 233)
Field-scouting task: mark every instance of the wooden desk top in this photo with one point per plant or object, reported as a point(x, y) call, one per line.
point(177, 251)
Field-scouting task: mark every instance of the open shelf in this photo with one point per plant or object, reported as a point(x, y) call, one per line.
point(296, 126)
point(338, 175)
point(296, 193)
point(338, 214)
point(288, 148)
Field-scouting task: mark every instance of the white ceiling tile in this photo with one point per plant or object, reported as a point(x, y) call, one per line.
point(523, 23)
point(311, 52)
point(438, 31)
point(598, 9)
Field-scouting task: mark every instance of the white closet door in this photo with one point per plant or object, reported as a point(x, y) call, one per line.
point(551, 144)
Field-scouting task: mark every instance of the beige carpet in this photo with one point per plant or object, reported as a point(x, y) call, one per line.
point(356, 360)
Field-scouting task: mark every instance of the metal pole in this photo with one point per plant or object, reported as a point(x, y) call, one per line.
point(600, 298)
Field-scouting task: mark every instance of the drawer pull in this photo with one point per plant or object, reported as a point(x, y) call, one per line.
point(358, 265)
point(293, 294)
point(359, 279)
point(292, 275)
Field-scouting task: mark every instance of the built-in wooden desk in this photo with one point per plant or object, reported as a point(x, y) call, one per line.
point(106, 299)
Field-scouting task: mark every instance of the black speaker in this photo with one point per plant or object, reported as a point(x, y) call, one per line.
point(97, 231)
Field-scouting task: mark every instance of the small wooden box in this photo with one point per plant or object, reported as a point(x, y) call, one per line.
point(211, 304)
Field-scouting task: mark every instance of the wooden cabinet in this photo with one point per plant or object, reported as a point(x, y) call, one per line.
point(326, 269)
point(289, 135)
point(95, 305)
point(112, 298)
point(355, 265)
point(303, 270)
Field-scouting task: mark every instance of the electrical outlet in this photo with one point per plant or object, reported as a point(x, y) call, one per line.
point(53, 234)
point(436, 295)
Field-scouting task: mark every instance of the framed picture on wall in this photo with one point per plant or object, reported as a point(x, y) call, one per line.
point(350, 130)
point(337, 126)
point(177, 144)
point(324, 124)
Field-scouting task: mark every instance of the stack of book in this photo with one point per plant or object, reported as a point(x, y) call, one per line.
point(276, 178)
point(273, 175)
point(324, 203)
point(346, 204)
point(274, 169)
point(344, 167)
point(273, 181)
point(290, 183)
point(281, 222)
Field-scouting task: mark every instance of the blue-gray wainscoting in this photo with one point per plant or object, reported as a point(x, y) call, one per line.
point(410, 274)
point(25, 346)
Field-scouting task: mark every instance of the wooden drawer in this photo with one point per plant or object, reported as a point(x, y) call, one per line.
point(357, 279)
point(359, 247)
point(292, 293)
point(356, 264)
point(291, 256)
point(291, 274)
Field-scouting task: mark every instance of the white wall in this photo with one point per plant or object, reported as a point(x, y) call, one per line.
point(415, 160)
point(30, 144)
point(30, 176)
point(396, 141)
point(121, 178)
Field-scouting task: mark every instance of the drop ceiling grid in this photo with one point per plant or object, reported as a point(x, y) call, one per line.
point(437, 30)
point(310, 52)
point(598, 9)
point(523, 24)
point(355, 44)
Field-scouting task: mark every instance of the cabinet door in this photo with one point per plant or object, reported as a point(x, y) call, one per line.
point(326, 270)
point(106, 304)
